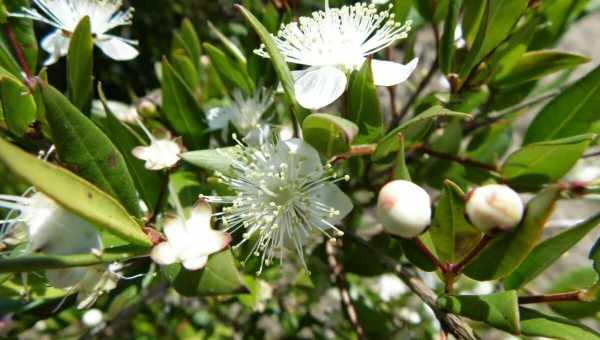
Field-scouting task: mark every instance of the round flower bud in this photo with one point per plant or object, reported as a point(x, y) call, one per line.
point(404, 208)
point(494, 206)
point(92, 317)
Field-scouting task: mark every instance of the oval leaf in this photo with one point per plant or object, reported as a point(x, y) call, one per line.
point(18, 104)
point(363, 105)
point(80, 63)
point(220, 159)
point(329, 134)
point(534, 323)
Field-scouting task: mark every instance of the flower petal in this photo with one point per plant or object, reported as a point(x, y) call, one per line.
point(195, 263)
point(306, 159)
point(199, 216)
point(164, 253)
point(389, 73)
point(142, 152)
point(335, 198)
point(117, 48)
point(320, 86)
point(65, 278)
point(176, 232)
point(57, 45)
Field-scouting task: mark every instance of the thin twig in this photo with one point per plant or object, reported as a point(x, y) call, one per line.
point(458, 267)
point(434, 260)
point(338, 276)
point(570, 296)
point(10, 34)
point(422, 86)
point(454, 158)
point(449, 322)
point(593, 154)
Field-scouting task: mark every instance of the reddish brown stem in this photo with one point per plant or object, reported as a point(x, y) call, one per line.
point(570, 296)
point(458, 267)
point(10, 34)
point(423, 248)
point(457, 159)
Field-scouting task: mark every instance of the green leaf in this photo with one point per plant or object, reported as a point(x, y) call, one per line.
point(498, 20)
point(220, 159)
point(549, 251)
point(363, 105)
point(447, 44)
point(573, 280)
point(80, 63)
point(125, 139)
point(537, 164)
point(229, 45)
point(452, 235)
point(192, 45)
point(537, 64)
point(390, 142)
point(432, 10)
point(400, 168)
point(24, 32)
point(181, 109)
point(331, 135)
point(415, 255)
point(506, 251)
point(233, 74)
point(7, 61)
point(87, 151)
point(184, 66)
point(571, 113)
point(18, 104)
point(281, 68)
point(534, 323)
point(500, 310)
point(73, 193)
point(219, 277)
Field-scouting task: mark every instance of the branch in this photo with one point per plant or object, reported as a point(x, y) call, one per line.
point(422, 85)
point(10, 34)
point(570, 296)
point(338, 275)
point(449, 322)
point(591, 155)
point(453, 158)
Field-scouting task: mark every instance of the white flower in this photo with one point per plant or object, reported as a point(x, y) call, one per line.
point(494, 206)
point(162, 153)
point(53, 230)
point(336, 41)
point(65, 15)
point(283, 194)
point(190, 241)
point(404, 208)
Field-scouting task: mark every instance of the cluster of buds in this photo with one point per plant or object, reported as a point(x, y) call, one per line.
point(404, 208)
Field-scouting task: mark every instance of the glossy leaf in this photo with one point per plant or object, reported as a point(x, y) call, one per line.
point(400, 168)
point(537, 64)
point(506, 251)
point(500, 310)
point(219, 277)
point(87, 151)
point(570, 113)
point(229, 45)
point(181, 108)
point(18, 105)
point(534, 323)
point(192, 45)
point(573, 280)
point(548, 252)
point(24, 33)
point(331, 135)
point(447, 44)
point(214, 159)
point(80, 61)
point(73, 193)
point(545, 162)
point(363, 105)
point(232, 73)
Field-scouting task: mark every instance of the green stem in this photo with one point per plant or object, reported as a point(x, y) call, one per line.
point(43, 262)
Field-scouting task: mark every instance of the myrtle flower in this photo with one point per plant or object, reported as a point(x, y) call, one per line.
point(162, 153)
point(64, 15)
point(335, 42)
point(190, 240)
point(53, 230)
point(283, 194)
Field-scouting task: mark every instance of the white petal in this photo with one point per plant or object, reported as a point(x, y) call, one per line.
point(117, 48)
point(319, 87)
point(164, 253)
point(389, 73)
point(57, 45)
point(142, 152)
point(65, 278)
point(176, 232)
point(332, 196)
point(307, 159)
point(199, 216)
point(212, 241)
point(195, 263)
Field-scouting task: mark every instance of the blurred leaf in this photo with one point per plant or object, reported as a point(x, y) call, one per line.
point(229, 45)
point(86, 150)
point(185, 68)
point(219, 277)
point(234, 74)
point(570, 113)
point(447, 44)
point(548, 252)
point(147, 182)
point(415, 255)
point(545, 162)
point(18, 104)
point(400, 168)
point(558, 15)
point(390, 143)
point(432, 10)
point(500, 310)
point(402, 9)
point(191, 43)
point(7, 61)
point(506, 251)
point(73, 193)
point(220, 159)
point(534, 323)
point(363, 105)
point(80, 61)
point(181, 108)
point(24, 32)
point(452, 235)
point(281, 68)
point(329, 134)
point(473, 11)
point(498, 20)
point(572, 280)
point(537, 64)
point(358, 260)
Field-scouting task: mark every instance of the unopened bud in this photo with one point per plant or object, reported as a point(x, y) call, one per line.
point(147, 108)
point(494, 207)
point(92, 317)
point(404, 208)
